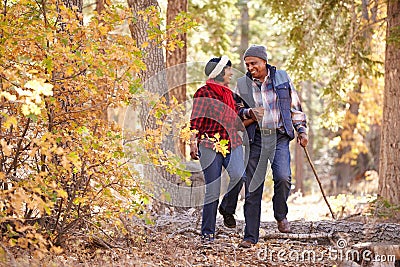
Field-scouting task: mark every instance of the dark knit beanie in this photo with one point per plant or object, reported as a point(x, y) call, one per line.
point(256, 51)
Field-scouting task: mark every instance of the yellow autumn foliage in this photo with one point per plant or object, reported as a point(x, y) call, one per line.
point(63, 165)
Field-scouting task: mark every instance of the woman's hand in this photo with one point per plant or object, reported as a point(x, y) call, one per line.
point(194, 150)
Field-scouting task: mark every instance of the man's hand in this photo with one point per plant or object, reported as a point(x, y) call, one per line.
point(257, 113)
point(194, 150)
point(302, 139)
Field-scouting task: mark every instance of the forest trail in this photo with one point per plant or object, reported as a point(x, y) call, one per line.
point(174, 240)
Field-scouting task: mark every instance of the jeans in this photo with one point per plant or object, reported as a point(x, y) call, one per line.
point(212, 163)
point(274, 148)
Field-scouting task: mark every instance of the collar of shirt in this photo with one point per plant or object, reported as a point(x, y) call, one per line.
point(259, 83)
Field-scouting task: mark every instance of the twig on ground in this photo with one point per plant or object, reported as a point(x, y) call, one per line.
point(102, 241)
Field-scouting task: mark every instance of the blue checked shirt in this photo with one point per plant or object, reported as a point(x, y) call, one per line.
point(265, 96)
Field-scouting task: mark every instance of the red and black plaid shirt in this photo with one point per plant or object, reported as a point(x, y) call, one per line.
point(208, 119)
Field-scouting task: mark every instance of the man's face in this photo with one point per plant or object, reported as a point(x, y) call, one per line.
point(257, 67)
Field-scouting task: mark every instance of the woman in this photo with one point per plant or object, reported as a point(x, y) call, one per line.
point(214, 119)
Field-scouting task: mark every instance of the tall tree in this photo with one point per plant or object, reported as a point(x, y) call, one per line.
point(144, 28)
point(152, 52)
point(176, 60)
point(244, 30)
point(389, 170)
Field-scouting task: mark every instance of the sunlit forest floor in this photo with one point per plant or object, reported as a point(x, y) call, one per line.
point(174, 239)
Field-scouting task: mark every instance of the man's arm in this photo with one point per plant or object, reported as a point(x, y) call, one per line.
point(246, 114)
point(299, 119)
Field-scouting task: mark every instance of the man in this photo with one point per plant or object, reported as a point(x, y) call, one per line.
point(214, 118)
point(268, 98)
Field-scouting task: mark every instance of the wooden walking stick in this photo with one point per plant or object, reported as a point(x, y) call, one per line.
point(319, 182)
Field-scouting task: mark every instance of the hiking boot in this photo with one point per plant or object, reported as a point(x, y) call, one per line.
point(207, 238)
point(246, 244)
point(284, 226)
point(229, 220)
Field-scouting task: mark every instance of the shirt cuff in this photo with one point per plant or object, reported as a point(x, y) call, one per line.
point(301, 129)
point(246, 114)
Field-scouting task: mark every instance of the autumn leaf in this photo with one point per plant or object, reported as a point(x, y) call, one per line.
point(40, 86)
point(221, 146)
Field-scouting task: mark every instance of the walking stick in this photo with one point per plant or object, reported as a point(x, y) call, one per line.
point(319, 182)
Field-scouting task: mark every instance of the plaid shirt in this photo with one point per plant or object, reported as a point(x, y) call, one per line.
point(208, 119)
point(265, 96)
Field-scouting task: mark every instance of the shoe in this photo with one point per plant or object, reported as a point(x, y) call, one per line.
point(284, 226)
point(229, 220)
point(207, 238)
point(246, 244)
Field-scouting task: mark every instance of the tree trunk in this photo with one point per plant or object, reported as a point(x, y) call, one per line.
point(153, 54)
point(154, 81)
point(176, 64)
point(100, 6)
point(389, 168)
point(153, 77)
point(244, 31)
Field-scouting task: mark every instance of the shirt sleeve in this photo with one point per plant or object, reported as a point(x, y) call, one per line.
point(198, 111)
point(299, 119)
point(243, 112)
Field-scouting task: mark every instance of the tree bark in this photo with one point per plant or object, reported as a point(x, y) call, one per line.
point(154, 80)
point(389, 169)
point(153, 54)
point(244, 31)
point(176, 63)
point(100, 6)
point(153, 77)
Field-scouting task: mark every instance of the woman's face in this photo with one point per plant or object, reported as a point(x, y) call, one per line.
point(228, 75)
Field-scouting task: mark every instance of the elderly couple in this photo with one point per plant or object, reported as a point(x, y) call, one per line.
point(268, 107)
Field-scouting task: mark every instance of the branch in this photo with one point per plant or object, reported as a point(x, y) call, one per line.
point(100, 241)
point(69, 77)
point(14, 164)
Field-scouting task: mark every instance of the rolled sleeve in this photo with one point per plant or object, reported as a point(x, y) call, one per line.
point(299, 118)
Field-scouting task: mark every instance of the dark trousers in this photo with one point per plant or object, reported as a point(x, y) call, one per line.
point(212, 163)
point(274, 148)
